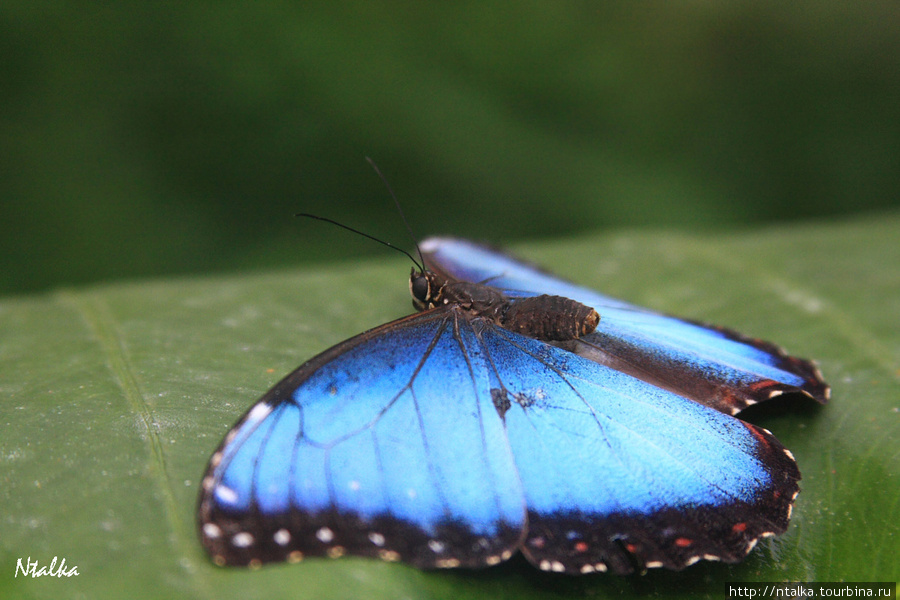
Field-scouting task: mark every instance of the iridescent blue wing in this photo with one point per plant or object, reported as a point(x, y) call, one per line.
point(621, 475)
point(443, 440)
point(711, 365)
point(386, 445)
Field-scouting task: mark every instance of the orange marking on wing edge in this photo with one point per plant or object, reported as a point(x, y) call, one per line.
point(757, 434)
point(761, 385)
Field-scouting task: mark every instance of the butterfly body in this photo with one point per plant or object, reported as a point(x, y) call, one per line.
point(544, 317)
point(508, 416)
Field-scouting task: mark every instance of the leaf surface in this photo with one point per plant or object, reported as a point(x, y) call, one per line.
point(114, 396)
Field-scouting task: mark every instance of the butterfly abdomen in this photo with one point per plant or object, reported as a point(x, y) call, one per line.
point(549, 318)
point(545, 317)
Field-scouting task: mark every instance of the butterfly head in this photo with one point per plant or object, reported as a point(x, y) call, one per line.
point(426, 289)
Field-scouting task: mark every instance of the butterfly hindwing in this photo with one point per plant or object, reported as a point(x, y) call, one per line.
point(621, 475)
point(711, 365)
point(387, 445)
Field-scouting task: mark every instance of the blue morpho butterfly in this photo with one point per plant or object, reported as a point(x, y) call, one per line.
point(505, 416)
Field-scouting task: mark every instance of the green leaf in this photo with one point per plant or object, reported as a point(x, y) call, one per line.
point(115, 396)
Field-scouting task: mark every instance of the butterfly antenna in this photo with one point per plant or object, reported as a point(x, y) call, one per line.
point(399, 210)
point(365, 235)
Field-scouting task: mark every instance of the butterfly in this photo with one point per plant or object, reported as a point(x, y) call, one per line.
point(514, 412)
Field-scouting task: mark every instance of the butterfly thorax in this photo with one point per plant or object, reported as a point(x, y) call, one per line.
point(544, 317)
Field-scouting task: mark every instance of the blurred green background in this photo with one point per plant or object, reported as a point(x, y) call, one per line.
point(143, 139)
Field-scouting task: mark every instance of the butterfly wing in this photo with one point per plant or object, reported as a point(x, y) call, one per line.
point(711, 365)
point(386, 445)
point(621, 475)
point(394, 444)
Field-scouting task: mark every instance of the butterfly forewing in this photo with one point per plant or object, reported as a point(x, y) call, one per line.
point(388, 445)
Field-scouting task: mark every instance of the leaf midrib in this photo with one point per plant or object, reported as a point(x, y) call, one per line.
point(102, 325)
